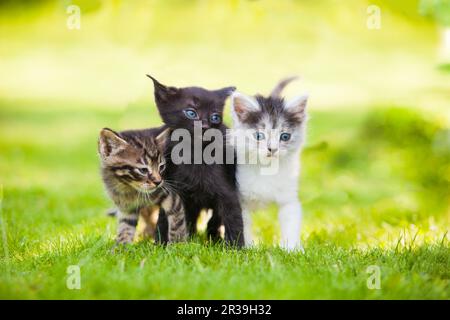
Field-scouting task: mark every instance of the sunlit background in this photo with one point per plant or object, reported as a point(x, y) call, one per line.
point(376, 165)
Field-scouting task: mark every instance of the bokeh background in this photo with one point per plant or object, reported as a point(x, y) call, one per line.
point(376, 165)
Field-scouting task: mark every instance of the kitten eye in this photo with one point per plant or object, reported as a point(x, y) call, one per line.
point(285, 136)
point(190, 113)
point(162, 166)
point(216, 118)
point(142, 171)
point(259, 135)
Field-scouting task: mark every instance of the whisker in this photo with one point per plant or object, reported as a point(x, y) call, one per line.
point(174, 183)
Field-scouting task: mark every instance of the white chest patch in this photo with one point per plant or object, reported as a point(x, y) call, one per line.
point(258, 190)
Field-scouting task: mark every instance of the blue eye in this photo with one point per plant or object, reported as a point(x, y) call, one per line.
point(285, 136)
point(259, 136)
point(215, 118)
point(190, 113)
point(142, 171)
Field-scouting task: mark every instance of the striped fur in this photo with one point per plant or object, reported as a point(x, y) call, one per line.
point(132, 164)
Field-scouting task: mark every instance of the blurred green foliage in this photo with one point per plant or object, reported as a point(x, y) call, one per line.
point(436, 9)
point(424, 146)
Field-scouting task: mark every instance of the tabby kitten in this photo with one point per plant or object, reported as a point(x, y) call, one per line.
point(202, 186)
point(131, 166)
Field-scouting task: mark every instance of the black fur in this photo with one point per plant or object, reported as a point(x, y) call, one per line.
point(162, 228)
point(201, 186)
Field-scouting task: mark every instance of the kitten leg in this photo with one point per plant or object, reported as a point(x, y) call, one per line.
point(229, 209)
point(173, 206)
point(147, 224)
point(126, 227)
point(247, 219)
point(290, 217)
point(162, 228)
point(213, 227)
point(192, 212)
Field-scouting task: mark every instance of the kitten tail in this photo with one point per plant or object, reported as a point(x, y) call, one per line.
point(280, 86)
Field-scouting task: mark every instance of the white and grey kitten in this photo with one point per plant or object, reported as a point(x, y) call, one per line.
point(274, 132)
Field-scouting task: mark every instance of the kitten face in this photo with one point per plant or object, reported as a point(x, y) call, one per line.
point(181, 107)
point(272, 126)
point(133, 161)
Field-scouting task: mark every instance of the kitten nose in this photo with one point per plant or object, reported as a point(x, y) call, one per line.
point(205, 125)
point(156, 182)
point(272, 150)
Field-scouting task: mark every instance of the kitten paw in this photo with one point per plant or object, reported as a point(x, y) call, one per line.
point(293, 248)
point(250, 244)
point(123, 241)
point(125, 238)
point(120, 247)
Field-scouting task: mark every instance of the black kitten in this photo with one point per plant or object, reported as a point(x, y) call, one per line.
point(201, 186)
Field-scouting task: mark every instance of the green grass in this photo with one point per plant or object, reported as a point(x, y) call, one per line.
point(375, 183)
point(197, 271)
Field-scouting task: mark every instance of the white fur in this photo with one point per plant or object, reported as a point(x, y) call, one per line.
point(297, 102)
point(258, 190)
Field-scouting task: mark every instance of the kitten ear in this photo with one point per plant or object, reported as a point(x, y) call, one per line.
point(110, 143)
point(163, 93)
point(225, 92)
point(242, 105)
point(162, 138)
point(297, 106)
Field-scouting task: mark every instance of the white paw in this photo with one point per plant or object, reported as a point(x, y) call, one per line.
point(250, 244)
point(294, 247)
